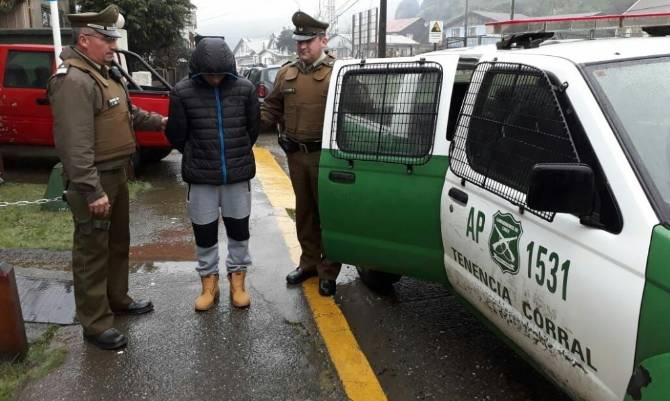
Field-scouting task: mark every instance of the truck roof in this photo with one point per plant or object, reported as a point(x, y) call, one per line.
point(590, 51)
point(583, 51)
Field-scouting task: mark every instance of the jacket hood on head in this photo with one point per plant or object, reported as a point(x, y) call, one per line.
point(212, 56)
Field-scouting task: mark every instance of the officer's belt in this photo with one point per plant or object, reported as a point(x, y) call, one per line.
point(112, 171)
point(307, 147)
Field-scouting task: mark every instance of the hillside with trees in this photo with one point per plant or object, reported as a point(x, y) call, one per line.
point(407, 9)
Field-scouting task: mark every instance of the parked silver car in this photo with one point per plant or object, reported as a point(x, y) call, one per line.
point(263, 78)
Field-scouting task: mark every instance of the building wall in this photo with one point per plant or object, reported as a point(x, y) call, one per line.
point(19, 17)
point(32, 14)
point(477, 34)
point(399, 51)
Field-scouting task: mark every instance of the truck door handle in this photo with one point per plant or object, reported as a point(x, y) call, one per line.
point(458, 195)
point(342, 177)
point(42, 101)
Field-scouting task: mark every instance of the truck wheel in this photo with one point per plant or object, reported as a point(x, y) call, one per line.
point(154, 155)
point(377, 281)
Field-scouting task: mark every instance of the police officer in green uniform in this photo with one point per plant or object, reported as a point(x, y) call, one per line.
point(298, 103)
point(94, 138)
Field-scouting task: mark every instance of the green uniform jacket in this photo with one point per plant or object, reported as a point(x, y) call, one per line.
point(76, 99)
point(298, 100)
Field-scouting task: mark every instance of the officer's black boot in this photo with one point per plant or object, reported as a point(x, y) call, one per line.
point(327, 287)
point(109, 339)
point(299, 275)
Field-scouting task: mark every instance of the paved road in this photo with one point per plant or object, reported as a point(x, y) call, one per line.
point(420, 341)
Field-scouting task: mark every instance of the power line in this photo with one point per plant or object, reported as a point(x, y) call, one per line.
point(347, 9)
point(214, 17)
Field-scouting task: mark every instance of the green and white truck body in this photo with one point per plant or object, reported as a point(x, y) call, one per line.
point(467, 168)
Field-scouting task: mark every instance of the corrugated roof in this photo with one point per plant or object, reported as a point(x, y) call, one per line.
point(399, 25)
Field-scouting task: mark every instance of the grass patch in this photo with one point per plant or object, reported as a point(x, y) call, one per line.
point(135, 188)
point(291, 213)
point(40, 361)
point(28, 226)
point(31, 227)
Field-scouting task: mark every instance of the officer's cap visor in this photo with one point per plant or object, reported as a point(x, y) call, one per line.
point(110, 32)
point(301, 37)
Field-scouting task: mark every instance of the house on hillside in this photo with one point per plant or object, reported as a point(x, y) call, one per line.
point(249, 52)
point(340, 46)
point(477, 35)
point(270, 57)
point(21, 14)
point(413, 28)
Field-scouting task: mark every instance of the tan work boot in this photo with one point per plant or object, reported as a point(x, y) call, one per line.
point(210, 293)
point(238, 295)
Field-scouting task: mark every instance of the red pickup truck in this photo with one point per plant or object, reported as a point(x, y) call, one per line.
point(25, 114)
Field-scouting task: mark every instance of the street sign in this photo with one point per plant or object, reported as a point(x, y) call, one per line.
point(435, 32)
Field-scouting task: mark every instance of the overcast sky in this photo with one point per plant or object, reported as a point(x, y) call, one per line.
point(259, 18)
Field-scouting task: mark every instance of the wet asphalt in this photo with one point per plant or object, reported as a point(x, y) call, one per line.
point(270, 351)
point(422, 343)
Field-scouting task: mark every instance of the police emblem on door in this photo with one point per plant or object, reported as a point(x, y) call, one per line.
point(504, 242)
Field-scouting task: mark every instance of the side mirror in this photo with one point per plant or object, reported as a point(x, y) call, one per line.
point(561, 188)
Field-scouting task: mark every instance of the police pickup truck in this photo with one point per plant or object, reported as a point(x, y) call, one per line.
point(533, 179)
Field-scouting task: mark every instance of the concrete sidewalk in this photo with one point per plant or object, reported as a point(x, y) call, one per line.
point(270, 352)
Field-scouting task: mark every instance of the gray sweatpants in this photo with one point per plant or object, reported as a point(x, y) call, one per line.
point(232, 202)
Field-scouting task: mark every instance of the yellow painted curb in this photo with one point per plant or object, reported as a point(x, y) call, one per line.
point(359, 381)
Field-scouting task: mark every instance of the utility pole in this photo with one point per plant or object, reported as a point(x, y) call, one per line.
point(55, 29)
point(381, 32)
point(511, 14)
point(465, 25)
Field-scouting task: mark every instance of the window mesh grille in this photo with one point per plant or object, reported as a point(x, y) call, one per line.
point(510, 121)
point(386, 112)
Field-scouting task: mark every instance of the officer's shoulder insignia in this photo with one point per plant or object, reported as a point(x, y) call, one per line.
point(62, 69)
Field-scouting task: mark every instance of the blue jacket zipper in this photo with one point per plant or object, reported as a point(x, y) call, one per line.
point(224, 170)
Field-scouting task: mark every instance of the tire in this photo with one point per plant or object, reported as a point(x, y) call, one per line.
point(153, 155)
point(377, 281)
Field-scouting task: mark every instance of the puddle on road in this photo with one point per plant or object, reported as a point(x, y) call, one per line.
point(46, 300)
point(162, 267)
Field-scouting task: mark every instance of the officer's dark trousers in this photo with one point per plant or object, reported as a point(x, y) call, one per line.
point(100, 258)
point(304, 172)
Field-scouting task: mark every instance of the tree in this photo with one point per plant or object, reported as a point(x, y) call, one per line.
point(7, 5)
point(407, 9)
point(285, 40)
point(154, 26)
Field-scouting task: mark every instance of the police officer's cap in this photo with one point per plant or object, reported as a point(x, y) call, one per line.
point(307, 27)
point(103, 22)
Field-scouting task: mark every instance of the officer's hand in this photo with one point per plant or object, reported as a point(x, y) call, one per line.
point(164, 123)
point(100, 207)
